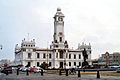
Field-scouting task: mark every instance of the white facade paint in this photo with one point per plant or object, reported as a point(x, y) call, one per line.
point(59, 54)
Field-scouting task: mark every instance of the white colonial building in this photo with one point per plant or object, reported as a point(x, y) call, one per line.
point(59, 55)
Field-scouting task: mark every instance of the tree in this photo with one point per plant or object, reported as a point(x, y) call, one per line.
point(44, 65)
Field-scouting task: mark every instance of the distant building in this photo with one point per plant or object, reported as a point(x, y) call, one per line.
point(113, 59)
point(116, 57)
point(4, 61)
point(59, 55)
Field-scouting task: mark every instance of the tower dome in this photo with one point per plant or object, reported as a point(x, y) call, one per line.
point(58, 9)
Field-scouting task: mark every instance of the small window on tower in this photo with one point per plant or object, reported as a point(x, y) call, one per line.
point(60, 33)
point(60, 39)
point(56, 55)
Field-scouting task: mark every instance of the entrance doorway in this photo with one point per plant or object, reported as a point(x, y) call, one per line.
point(61, 64)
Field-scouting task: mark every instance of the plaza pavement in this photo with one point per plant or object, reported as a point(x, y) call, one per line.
point(37, 76)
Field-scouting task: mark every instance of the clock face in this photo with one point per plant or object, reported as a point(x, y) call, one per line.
point(60, 19)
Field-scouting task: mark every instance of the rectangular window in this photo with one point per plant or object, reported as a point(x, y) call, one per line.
point(74, 63)
point(79, 63)
point(56, 55)
point(69, 63)
point(50, 56)
point(74, 56)
point(79, 56)
point(38, 64)
point(60, 39)
point(49, 63)
point(29, 55)
point(69, 56)
point(38, 55)
point(66, 55)
point(44, 56)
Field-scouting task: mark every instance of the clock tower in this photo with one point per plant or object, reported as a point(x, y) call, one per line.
point(59, 38)
point(59, 26)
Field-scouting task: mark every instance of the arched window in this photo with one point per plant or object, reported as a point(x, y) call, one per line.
point(38, 64)
point(38, 55)
point(79, 56)
point(44, 56)
point(50, 63)
point(29, 55)
point(79, 63)
point(49, 55)
point(61, 54)
point(74, 56)
point(69, 56)
point(74, 63)
point(69, 63)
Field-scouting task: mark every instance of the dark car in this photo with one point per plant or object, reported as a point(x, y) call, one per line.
point(118, 70)
point(7, 70)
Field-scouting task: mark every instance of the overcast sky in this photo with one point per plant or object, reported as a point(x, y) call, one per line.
point(90, 21)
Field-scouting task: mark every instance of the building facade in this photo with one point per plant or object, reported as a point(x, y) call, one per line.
point(59, 55)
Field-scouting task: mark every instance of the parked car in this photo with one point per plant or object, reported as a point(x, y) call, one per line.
point(72, 71)
point(37, 70)
point(32, 69)
point(1, 68)
point(7, 69)
point(24, 69)
point(114, 67)
point(42, 69)
point(50, 67)
point(118, 70)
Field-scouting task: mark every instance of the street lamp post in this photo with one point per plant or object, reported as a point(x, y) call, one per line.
point(64, 60)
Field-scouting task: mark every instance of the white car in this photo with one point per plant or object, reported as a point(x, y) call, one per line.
point(114, 66)
point(38, 69)
point(23, 69)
